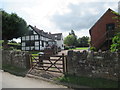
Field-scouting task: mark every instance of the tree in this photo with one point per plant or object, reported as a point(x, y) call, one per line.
point(70, 40)
point(116, 43)
point(116, 39)
point(12, 27)
point(83, 41)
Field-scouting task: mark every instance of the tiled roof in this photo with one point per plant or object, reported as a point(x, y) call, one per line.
point(56, 36)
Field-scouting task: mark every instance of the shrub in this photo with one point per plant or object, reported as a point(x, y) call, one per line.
point(66, 47)
point(93, 48)
point(10, 48)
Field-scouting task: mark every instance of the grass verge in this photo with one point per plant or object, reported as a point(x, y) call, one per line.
point(15, 70)
point(90, 82)
point(80, 48)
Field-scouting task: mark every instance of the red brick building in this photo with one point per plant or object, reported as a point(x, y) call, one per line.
point(103, 30)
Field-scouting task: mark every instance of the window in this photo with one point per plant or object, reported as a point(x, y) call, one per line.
point(23, 43)
point(27, 37)
point(36, 48)
point(36, 37)
point(23, 48)
point(27, 48)
point(32, 37)
point(23, 38)
point(110, 26)
point(37, 43)
point(29, 43)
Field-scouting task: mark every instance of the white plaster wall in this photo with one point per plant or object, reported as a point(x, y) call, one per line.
point(60, 43)
point(34, 32)
point(36, 37)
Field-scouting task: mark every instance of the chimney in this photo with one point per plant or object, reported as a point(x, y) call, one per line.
point(119, 7)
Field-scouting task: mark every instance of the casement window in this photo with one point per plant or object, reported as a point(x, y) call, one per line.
point(27, 48)
point(37, 43)
point(23, 43)
point(32, 37)
point(36, 48)
point(23, 48)
point(27, 37)
point(29, 43)
point(110, 26)
point(23, 38)
point(36, 37)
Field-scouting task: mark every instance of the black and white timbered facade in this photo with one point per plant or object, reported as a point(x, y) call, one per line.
point(37, 39)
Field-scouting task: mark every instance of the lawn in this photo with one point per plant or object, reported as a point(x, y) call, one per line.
point(79, 48)
point(90, 82)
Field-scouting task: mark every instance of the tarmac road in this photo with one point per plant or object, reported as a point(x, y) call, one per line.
point(12, 81)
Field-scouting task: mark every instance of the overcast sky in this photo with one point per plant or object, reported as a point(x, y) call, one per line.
point(60, 16)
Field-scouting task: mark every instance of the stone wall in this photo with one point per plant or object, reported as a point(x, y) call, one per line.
point(94, 64)
point(16, 58)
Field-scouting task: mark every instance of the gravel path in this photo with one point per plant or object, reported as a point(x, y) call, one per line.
point(12, 81)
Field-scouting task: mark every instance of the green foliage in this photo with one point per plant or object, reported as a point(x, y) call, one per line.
point(83, 41)
point(70, 40)
point(9, 48)
point(81, 48)
point(66, 48)
point(12, 26)
point(86, 81)
point(115, 13)
point(116, 43)
point(116, 39)
point(14, 44)
point(93, 49)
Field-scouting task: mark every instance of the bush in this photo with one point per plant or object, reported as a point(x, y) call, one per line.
point(10, 48)
point(66, 47)
point(93, 49)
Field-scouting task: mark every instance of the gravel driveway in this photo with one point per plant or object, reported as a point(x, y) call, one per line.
point(12, 81)
point(66, 51)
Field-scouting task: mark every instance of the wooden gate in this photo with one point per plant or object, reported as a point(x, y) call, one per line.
point(46, 62)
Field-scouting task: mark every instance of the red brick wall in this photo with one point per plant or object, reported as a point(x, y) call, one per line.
point(99, 29)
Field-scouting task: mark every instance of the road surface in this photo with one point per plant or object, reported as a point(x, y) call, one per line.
point(12, 81)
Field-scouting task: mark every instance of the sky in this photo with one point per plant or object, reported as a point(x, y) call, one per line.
point(60, 16)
